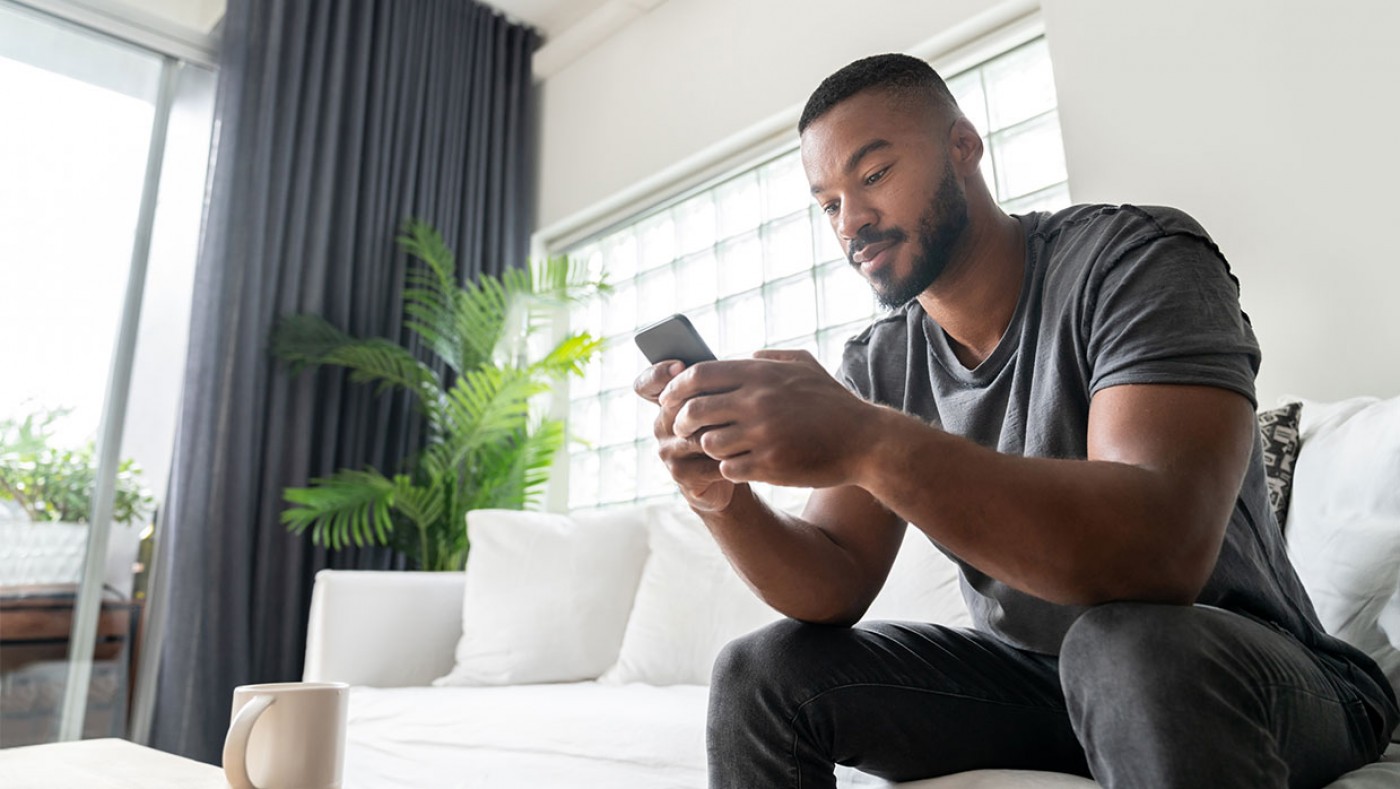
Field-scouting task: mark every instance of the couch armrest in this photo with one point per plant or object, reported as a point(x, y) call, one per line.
point(383, 629)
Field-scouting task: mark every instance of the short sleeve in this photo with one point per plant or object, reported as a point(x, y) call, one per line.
point(875, 362)
point(1167, 311)
point(854, 372)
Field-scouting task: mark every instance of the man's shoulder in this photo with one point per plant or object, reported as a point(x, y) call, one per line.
point(888, 334)
point(1104, 228)
point(894, 323)
point(1102, 224)
point(1080, 244)
point(880, 349)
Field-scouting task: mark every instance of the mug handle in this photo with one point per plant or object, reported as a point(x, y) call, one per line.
point(236, 744)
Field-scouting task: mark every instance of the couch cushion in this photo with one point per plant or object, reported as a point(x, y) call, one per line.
point(690, 603)
point(547, 596)
point(1344, 523)
point(1279, 429)
point(922, 586)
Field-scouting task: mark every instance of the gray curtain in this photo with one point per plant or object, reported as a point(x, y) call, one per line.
point(334, 120)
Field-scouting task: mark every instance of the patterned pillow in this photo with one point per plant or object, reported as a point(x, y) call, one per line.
point(1281, 441)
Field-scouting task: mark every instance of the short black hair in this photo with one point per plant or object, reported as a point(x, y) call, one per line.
point(901, 74)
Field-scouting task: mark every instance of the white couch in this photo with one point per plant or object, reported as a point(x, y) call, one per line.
point(624, 609)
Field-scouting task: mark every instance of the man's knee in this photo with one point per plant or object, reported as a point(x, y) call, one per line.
point(1116, 647)
point(1123, 630)
point(768, 654)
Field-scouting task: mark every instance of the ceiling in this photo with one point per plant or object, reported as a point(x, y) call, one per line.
point(570, 28)
point(551, 17)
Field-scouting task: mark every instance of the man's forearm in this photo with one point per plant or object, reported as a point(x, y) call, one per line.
point(795, 567)
point(1067, 531)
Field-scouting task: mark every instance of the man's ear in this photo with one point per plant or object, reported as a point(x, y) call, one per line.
point(965, 146)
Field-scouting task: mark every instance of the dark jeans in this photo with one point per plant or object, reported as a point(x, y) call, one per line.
point(1141, 695)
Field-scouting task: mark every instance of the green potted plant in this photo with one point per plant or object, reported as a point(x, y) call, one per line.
point(48, 490)
point(486, 447)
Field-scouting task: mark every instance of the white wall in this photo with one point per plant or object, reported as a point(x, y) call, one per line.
point(1273, 122)
point(1267, 119)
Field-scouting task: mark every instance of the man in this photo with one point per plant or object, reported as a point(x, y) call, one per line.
point(1065, 405)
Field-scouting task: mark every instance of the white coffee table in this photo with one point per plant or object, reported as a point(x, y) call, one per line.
point(103, 764)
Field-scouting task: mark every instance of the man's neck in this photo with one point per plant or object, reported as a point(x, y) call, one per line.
point(975, 298)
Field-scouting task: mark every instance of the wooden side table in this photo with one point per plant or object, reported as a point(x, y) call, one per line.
point(35, 625)
point(103, 764)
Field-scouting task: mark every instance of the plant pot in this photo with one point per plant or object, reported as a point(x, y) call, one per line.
point(53, 553)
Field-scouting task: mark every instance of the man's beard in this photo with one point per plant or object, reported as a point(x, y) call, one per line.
point(940, 227)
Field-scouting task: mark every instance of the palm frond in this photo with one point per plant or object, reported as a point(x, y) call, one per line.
point(430, 290)
point(480, 314)
point(381, 362)
point(349, 506)
point(422, 241)
point(308, 341)
point(435, 460)
point(487, 405)
point(558, 282)
point(520, 469)
point(565, 278)
point(434, 322)
point(421, 504)
point(537, 458)
point(569, 356)
point(305, 340)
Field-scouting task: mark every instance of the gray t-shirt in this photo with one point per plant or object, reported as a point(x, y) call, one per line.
point(1111, 295)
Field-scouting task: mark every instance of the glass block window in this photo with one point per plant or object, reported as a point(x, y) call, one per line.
point(754, 264)
point(1011, 100)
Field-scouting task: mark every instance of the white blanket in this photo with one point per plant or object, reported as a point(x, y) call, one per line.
point(539, 736)
point(574, 735)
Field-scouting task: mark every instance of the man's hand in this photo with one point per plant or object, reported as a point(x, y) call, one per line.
point(696, 474)
point(778, 418)
point(823, 567)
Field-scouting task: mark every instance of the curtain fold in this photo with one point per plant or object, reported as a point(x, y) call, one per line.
point(334, 121)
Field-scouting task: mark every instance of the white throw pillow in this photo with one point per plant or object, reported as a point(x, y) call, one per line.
point(922, 586)
point(1344, 523)
point(547, 596)
point(690, 603)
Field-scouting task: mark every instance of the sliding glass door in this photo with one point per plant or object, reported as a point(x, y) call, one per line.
point(103, 153)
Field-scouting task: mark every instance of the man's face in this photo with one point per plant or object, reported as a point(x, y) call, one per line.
point(882, 174)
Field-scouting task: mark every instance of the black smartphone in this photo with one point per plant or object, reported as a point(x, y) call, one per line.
point(673, 338)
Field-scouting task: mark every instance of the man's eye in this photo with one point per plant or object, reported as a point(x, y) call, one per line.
point(876, 176)
point(830, 208)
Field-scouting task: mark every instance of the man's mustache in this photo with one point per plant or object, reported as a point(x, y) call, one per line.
point(868, 235)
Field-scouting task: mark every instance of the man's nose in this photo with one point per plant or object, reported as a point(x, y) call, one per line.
point(853, 216)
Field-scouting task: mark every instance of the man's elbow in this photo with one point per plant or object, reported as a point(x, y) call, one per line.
point(1173, 577)
point(839, 613)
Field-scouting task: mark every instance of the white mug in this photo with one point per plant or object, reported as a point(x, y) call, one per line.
point(287, 735)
